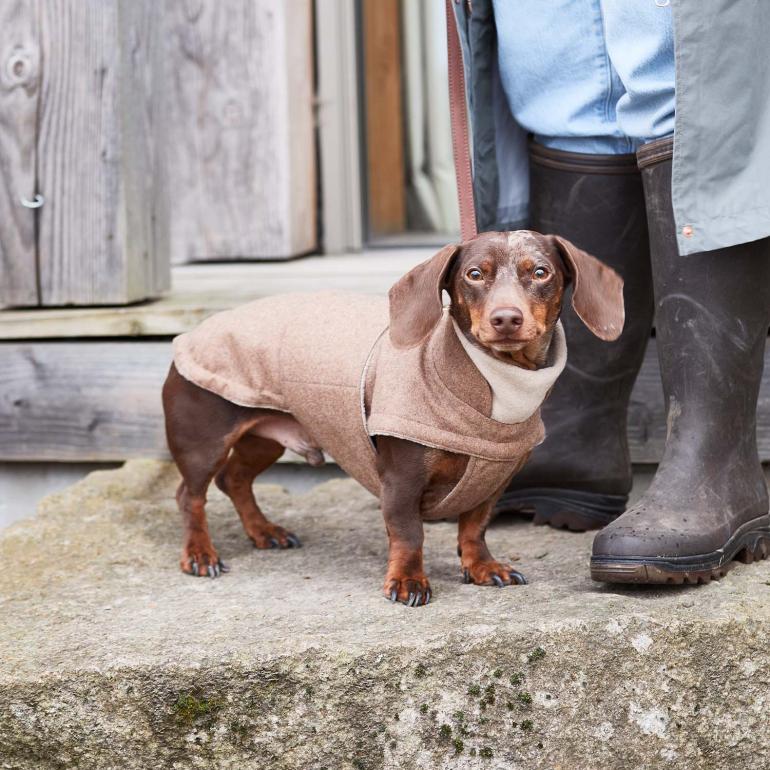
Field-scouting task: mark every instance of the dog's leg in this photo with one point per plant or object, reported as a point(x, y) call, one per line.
point(401, 467)
point(201, 427)
point(250, 456)
point(478, 565)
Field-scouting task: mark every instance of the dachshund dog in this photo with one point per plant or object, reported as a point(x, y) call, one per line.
point(432, 407)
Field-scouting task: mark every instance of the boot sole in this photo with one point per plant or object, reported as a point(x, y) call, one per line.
point(750, 543)
point(569, 509)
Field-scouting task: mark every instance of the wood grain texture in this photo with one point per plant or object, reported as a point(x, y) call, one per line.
point(66, 401)
point(236, 142)
point(338, 125)
point(146, 214)
point(200, 290)
point(19, 93)
point(384, 116)
point(95, 244)
point(96, 401)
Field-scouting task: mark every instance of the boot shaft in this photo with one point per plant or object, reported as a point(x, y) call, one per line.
point(712, 317)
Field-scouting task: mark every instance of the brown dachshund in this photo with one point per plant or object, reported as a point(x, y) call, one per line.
point(505, 292)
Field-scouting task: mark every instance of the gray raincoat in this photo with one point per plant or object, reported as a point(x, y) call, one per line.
point(721, 172)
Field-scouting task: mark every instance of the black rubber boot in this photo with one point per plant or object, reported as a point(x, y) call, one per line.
point(580, 477)
point(708, 502)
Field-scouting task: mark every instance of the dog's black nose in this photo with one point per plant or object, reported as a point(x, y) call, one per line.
point(506, 319)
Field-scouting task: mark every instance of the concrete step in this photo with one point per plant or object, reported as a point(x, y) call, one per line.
point(111, 658)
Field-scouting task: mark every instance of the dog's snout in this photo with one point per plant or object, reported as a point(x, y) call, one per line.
point(506, 319)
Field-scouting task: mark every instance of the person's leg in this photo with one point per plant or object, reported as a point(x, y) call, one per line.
point(708, 502)
point(640, 44)
point(580, 477)
point(560, 82)
point(557, 75)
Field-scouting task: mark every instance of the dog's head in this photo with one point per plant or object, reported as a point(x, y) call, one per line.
point(506, 292)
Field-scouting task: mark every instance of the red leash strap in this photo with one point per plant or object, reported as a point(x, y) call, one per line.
point(458, 111)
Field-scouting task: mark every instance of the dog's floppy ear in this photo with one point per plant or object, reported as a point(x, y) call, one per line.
point(597, 290)
point(415, 299)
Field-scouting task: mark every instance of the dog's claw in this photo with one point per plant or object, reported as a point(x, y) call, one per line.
point(410, 601)
point(194, 568)
point(498, 581)
point(223, 567)
point(418, 599)
point(210, 572)
point(427, 597)
point(466, 576)
point(294, 541)
point(274, 543)
point(518, 577)
point(393, 595)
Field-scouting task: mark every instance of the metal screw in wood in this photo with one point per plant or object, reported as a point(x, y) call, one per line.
point(34, 204)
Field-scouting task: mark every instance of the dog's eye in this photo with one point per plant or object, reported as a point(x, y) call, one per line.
point(540, 273)
point(474, 274)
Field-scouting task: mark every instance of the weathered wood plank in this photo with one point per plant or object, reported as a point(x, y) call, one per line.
point(19, 91)
point(236, 140)
point(200, 290)
point(101, 402)
point(338, 125)
point(69, 401)
point(94, 244)
point(147, 225)
point(384, 116)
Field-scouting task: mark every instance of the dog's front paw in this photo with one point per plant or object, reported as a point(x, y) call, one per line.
point(492, 573)
point(411, 590)
point(199, 558)
point(273, 536)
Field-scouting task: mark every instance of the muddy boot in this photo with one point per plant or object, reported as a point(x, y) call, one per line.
point(708, 502)
point(580, 477)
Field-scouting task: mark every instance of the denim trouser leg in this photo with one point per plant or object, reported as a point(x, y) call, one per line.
point(591, 76)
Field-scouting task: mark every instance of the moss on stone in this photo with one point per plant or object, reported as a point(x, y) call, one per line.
point(524, 698)
point(537, 654)
point(188, 707)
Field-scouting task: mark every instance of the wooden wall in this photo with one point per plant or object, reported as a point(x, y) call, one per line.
point(236, 128)
point(154, 132)
point(51, 410)
point(74, 126)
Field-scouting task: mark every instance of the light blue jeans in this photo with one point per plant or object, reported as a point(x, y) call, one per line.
point(590, 76)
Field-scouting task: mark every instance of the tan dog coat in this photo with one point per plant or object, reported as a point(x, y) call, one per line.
point(326, 359)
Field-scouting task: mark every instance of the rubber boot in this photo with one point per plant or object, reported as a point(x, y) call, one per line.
point(708, 502)
point(580, 477)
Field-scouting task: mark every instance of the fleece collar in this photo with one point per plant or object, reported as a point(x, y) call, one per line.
point(516, 392)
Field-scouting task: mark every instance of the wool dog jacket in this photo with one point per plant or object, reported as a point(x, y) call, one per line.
point(326, 358)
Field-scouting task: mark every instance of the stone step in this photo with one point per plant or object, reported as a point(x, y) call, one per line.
point(112, 658)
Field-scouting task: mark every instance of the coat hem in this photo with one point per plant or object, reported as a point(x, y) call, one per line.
point(197, 375)
point(393, 426)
